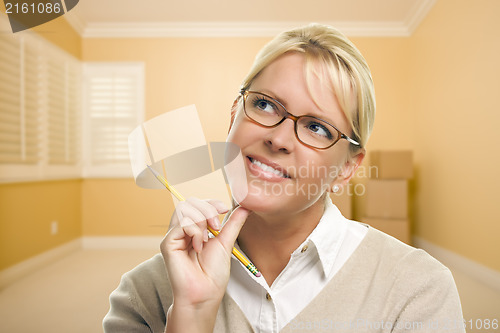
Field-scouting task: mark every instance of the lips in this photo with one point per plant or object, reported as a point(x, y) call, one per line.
point(267, 169)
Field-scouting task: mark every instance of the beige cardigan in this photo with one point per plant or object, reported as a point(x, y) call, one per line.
point(385, 286)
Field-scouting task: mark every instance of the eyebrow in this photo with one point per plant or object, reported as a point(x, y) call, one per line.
point(274, 96)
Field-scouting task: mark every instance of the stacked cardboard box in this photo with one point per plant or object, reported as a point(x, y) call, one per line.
point(387, 193)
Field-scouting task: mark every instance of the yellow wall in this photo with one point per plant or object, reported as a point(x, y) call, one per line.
point(388, 61)
point(60, 33)
point(453, 98)
point(26, 213)
point(112, 207)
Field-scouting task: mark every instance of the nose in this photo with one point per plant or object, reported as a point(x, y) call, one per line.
point(282, 137)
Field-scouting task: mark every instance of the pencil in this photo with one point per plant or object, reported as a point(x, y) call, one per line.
point(251, 267)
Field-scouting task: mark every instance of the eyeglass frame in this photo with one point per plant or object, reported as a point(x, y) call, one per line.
point(244, 93)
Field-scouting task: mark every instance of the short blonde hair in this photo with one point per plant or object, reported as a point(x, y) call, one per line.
point(348, 71)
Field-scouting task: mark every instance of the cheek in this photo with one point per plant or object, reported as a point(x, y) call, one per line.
point(320, 171)
point(242, 132)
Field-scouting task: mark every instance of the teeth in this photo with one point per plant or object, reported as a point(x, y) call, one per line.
point(267, 168)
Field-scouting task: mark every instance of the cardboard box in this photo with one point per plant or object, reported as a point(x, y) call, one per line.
point(343, 201)
point(397, 228)
point(387, 198)
point(391, 164)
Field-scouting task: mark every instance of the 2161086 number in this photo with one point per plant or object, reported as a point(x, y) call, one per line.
point(32, 8)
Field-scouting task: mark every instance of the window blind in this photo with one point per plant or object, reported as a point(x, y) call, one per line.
point(40, 109)
point(19, 103)
point(32, 101)
point(63, 111)
point(114, 107)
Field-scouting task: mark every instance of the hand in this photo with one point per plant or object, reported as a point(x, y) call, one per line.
point(199, 267)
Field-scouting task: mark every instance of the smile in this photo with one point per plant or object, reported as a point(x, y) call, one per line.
point(267, 168)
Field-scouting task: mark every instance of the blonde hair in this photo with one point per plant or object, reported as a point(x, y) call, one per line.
point(348, 71)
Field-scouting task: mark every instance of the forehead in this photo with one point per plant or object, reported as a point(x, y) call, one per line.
point(291, 71)
point(303, 84)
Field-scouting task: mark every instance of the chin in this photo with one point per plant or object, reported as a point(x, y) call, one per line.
point(253, 205)
point(265, 203)
point(257, 202)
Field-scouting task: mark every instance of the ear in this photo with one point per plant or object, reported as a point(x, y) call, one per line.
point(348, 169)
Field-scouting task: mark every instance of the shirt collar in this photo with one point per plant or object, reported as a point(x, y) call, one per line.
point(326, 239)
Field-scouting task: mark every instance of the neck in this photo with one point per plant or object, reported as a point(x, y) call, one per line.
point(270, 240)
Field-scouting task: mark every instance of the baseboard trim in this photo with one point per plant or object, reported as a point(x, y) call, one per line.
point(122, 242)
point(481, 273)
point(28, 266)
point(18, 271)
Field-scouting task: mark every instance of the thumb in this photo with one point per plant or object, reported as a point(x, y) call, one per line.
point(232, 227)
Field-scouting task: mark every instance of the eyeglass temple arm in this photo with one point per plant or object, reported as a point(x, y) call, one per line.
point(350, 140)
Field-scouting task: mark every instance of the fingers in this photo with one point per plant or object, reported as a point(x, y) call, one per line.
point(189, 223)
point(196, 234)
point(219, 206)
point(210, 211)
point(232, 227)
point(199, 211)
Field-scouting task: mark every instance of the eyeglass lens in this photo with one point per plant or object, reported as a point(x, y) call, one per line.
point(269, 112)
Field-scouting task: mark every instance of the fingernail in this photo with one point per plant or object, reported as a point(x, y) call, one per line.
point(217, 224)
point(222, 205)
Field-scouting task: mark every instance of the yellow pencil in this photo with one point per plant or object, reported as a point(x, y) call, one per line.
point(251, 267)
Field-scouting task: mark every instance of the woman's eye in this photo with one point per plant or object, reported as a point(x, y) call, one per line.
point(319, 129)
point(264, 105)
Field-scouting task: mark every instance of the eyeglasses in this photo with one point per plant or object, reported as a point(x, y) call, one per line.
point(310, 131)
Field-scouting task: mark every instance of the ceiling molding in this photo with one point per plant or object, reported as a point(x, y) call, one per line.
point(244, 29)
point(418, 14)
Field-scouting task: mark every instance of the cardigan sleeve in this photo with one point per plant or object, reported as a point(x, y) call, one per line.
point(435, 306)
point(138, 304)
point(123, 315)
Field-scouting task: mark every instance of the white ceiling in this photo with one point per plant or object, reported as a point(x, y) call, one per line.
point(154, 18)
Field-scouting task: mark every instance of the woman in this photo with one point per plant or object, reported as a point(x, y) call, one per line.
point(303, 116)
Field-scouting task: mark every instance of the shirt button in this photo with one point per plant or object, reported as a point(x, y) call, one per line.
point(268, 297)
point(304, 249)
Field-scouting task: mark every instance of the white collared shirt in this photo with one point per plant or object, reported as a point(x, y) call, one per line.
point(311, 266)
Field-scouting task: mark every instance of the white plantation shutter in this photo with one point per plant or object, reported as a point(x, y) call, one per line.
point(56, 112)
point(114, 99)
point(63, 111)
point(19, 104)
point(32, 105)
point(10, 100)
point(40, 109)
